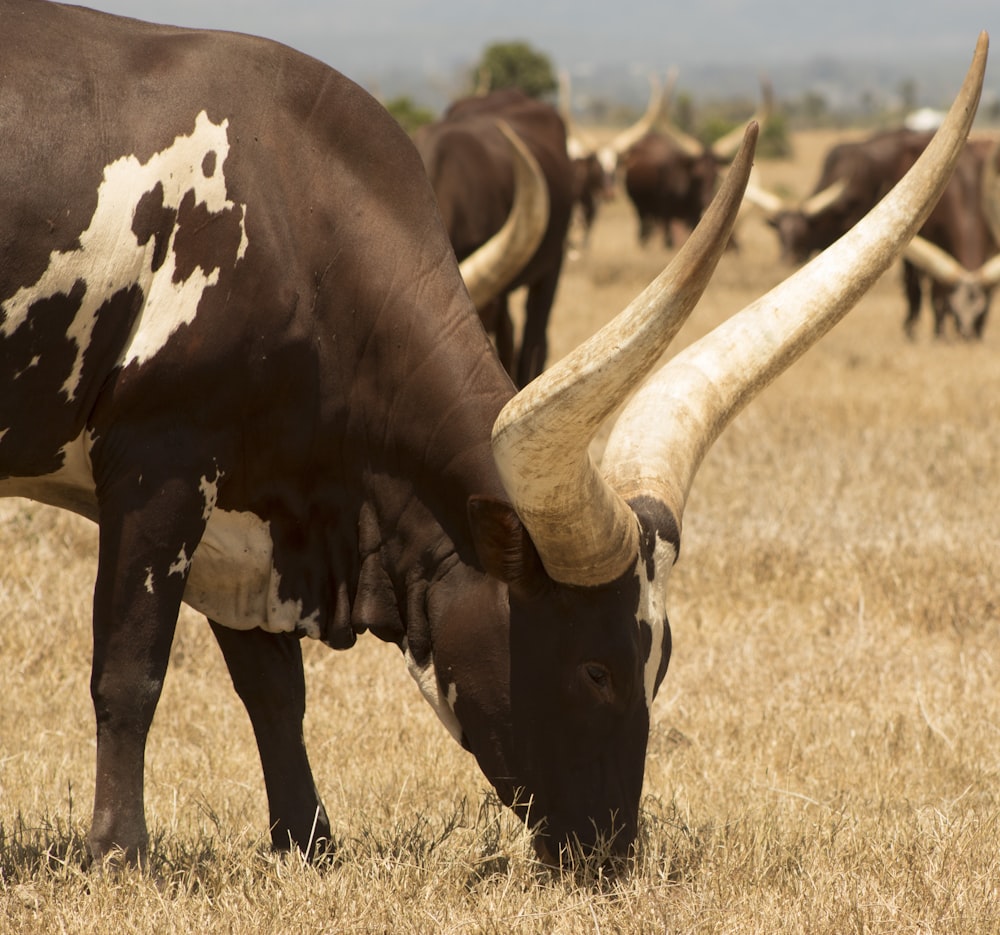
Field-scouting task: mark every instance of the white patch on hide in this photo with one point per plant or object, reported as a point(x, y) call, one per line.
point(110, 259)
point(231, 577)
point(181, 564)
point(443, 704)
point(69, 488)
point(210, 491)
point(233, 580)
point(653, 608)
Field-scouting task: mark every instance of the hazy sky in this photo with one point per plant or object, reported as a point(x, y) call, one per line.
point(362, 38)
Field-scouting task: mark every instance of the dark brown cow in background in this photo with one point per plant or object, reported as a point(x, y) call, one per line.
point(958, 249)
point(595, 165)
point(592, 185)
point(470, 166)
point(670, 177)
point(854, 176)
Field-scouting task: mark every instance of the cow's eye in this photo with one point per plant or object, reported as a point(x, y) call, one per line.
point(598, 674)
point(599, 680)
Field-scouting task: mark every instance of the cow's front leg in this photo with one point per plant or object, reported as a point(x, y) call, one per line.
point(149, 528)
point(266, 669)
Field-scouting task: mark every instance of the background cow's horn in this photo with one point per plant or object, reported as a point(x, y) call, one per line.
point(584, 532)
point(771, 203)
point(822, 200)
point(659, 101)
point(488, 271)
point(935, 262)
point(944, 268)
point(663, 433)
point(725, 146)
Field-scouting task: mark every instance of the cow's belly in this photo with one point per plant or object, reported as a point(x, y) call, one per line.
point(233, 580)
point(69, 488)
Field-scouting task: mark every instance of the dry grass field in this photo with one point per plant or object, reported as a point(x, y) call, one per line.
point(825, 751)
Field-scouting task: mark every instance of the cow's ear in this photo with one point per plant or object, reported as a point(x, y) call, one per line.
point(504, 547)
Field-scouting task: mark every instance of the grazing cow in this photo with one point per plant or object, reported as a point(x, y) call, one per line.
point(470, 167)
point(958, 249)
point(234, 334)
point(591, 186)
point(670, 177)
point(854, 177)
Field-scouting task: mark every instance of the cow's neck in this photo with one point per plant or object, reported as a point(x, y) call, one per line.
point(413, 531)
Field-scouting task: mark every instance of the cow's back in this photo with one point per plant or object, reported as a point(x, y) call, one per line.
point(222, 248)
point(206, 200)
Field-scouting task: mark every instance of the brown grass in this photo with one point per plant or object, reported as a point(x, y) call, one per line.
point(825, 751)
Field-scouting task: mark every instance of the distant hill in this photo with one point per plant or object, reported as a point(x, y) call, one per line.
point(848, 88)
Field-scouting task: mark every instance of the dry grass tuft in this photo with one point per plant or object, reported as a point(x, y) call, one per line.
point(825, 753)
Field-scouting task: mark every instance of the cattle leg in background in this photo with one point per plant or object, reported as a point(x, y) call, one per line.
point(496, 320)
point(267, 674)
point(534, 341)
point(913, 291)
point(148, 529)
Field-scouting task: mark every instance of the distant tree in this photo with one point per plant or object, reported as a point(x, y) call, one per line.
point(774, 141)
point(409, 115)
point(514, 65)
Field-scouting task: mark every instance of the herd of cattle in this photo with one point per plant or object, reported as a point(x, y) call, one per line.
point(670, 177)
point(234, 333)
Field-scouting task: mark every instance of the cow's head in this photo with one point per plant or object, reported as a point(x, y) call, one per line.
point(548, 655)
point(803, 228)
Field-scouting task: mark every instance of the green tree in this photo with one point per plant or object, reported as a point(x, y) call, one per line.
point(514, 65)
point(409, 115)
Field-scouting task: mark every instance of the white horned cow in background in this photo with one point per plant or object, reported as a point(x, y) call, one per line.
point(233, 333)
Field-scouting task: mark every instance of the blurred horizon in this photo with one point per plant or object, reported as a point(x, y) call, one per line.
point(846, 51)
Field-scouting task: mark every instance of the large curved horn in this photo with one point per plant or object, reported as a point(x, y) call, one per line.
point(724, 148)
point(659, 441)
point(659, 97)
point(584, 532)
point(488, 271)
